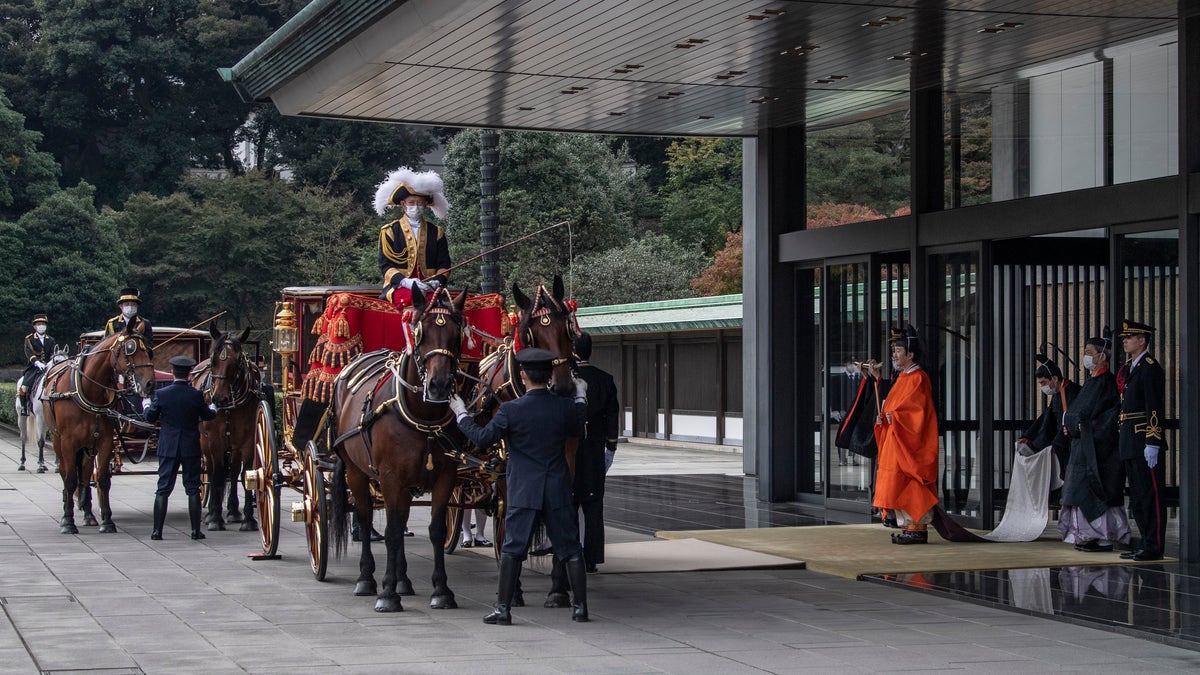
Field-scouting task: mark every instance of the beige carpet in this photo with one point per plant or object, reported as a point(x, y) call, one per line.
point(854, 550)
point(672, 555)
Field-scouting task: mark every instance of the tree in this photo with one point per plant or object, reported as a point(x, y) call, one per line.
point(545, 178)
point(13, 323)
point(829, 215)
point(702, 199)
point(724, 275)
point(27, 175)
point(654, 267)
point(862, 163)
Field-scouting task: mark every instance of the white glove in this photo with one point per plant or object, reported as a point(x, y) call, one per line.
point(212, 407)
point(580, 389)
point(425, 288)
point(459, 408)
point(609, 456)
point(146, 403)
point(434, 283)
point(407, 282)
point(40, 365)
point(1151, 456)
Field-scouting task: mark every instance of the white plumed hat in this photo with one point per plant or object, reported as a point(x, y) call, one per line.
point(404, 182)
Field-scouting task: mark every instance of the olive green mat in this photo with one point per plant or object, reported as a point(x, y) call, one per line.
point(674, 555)
point(852, 551)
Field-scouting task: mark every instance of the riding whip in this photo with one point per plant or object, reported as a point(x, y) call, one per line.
point(214, 316)
point(506, 245)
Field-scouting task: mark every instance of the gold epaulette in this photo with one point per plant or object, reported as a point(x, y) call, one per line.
point(1150, 360)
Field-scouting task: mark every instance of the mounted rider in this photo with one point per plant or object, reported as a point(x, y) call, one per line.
point(129, 302)
point(412, 251)
point(39, 347)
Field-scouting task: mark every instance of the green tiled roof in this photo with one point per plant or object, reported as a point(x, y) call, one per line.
point(720, 311)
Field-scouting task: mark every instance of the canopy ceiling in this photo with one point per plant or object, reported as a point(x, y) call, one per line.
point(663, 67)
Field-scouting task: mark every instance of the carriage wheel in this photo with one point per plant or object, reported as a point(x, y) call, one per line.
point(262, 477)
point(316, 508)
point(454, 520)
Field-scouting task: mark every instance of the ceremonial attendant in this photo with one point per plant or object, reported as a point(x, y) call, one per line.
point(130, 302)
point(1093, 513)
point(1142, 383)
point(179, 407)
point(411, 250)
point(39, 347)
point(536, 428)
point(906, 432)
point(1047, 429)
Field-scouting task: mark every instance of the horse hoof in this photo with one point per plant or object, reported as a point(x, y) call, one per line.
point(108, 528)
point(216, 526)
point(69, 529)
point(90, 521)
point(554, 600)
point(248, 526)
point(41, 468)
point(405, 588)
point(442, 602)
point(389, 604)
point(234, 517)
point(365, 587)
point(21, 467)
point(518, 599)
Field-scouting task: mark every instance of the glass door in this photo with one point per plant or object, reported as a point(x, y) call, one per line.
point(847, 340)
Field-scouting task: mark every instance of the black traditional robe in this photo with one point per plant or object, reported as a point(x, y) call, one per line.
point(1094, 480)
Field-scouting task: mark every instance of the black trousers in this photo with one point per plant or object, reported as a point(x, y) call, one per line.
point(593, 531)
point(1146, 502)
point(561, 526)
point(168, 466)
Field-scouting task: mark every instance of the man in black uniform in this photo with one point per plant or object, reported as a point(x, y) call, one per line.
point(536, 428)
point(39, 347)
point(180, 406)
point(1142, 383)
point(129, 302)
point(1047, 429)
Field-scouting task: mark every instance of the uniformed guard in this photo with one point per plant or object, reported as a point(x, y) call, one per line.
point(1142, 383)
point(39, 347)
point(411, 250)
point(536, 428)
point(180, 407)
point(130, 302)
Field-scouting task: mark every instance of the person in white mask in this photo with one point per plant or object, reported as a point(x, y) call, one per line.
point(39, 347)
point(1047, 429)
point(412, 251)
point(130, 302)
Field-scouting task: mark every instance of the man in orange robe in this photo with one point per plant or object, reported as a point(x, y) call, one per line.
point(906, 433)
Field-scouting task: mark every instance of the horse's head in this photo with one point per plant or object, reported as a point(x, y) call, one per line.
point(437, 331)
point(227, 363)
point(129, 358)
point(546, 323)
point(61, 353)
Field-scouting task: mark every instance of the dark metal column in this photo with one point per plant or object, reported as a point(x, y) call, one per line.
point(489, 208)
point(774, 203)
point(1189, 281)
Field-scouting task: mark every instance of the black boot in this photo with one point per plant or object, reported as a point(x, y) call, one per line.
point(195, 515)
point(510, 567)
point(160, 516)
point(558, 597)
point(578, 577)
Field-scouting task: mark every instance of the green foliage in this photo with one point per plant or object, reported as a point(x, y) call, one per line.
point(654, 267)
point(8, 406)
point(72, 263)
point(27, 175)
point(545, 178)
point(724, 275)
point(863, 163)
point(702, 199)
point(232, 244)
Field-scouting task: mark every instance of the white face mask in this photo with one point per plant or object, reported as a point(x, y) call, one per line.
point(1047, 390)
point(414, 212)
point(1089, 362)
point(40, 329)
point(129, 311)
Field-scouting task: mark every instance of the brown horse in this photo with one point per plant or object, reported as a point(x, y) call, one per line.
point(231, 382)
point(80, 404)
point(393, 431)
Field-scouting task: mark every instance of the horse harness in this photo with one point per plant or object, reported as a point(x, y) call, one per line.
point(127, 346)
point(245, 387)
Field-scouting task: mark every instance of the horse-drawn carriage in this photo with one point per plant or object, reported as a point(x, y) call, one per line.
point(365, 419)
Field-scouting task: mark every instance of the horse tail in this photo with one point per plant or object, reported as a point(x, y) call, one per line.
point(339, 494)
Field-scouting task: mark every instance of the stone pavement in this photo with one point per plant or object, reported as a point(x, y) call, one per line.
point(121, 603)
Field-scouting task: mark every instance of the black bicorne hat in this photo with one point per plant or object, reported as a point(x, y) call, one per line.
point(1103, 342)
point(907, 335)
point(1132, 328)
point(130, 294)
point(1045, 367)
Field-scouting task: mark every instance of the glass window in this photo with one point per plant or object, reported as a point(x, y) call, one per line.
point(858, 172)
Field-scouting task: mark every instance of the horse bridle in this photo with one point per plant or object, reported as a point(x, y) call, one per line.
point(440, 314)
point(244, 375)
point(127, 345)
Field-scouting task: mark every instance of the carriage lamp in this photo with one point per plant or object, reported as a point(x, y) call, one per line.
point(285, 331)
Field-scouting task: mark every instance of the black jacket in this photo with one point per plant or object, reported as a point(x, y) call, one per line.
point(180, 407)
point(1047, 428)
point(1142, 408)
point(602, 431)
point(38, 348)
point(140, 325)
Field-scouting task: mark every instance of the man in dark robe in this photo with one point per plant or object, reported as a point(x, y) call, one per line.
point(1047, 429)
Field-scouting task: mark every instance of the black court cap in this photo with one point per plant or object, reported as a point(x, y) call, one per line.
point(39, 318)
point(182, 363)
point(532, 357)
point(1132, 328)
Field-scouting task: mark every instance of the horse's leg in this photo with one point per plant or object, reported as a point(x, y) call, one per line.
point(103, 484)
point(23, 427)
point(443, 597)
point(395, 577)
point(68, 468)
point(84, 490)
point(233, 510)
point(360, 488)
point(41, 443)
point(216, 497)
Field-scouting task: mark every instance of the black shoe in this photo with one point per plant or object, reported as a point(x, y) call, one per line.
point(160, 516)
point(510, 567)
point(195, 515)
point(1128, 555)
point(1094, 547)
point(1145, 556)
point(578, 578)
point(407, 533)
point(467, 543)
point(592, 569)
point(906, 537)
